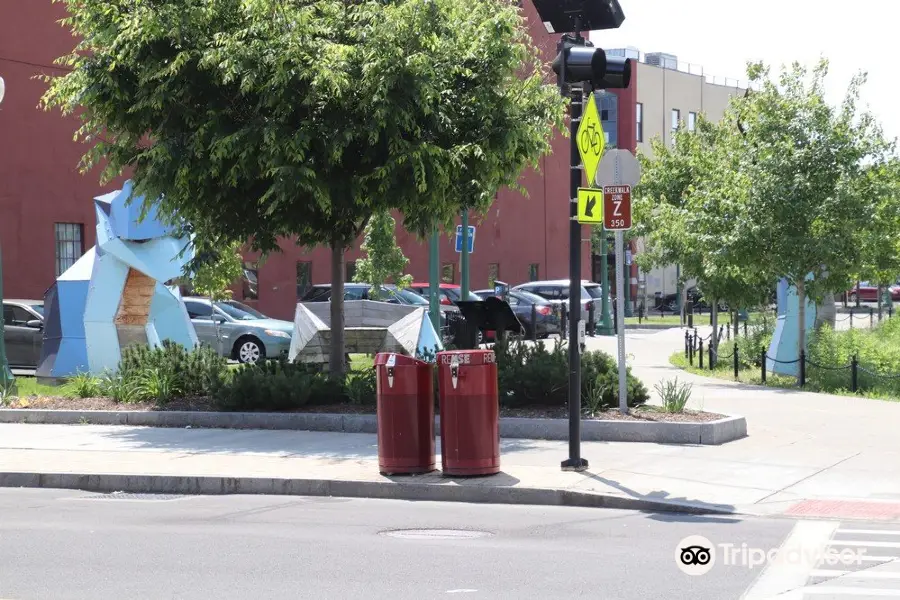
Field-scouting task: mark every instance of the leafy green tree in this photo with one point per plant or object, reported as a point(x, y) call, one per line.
point(215, 273)
point(384, 259)
point(880, 240)
point(267, 119)
point(806, 164)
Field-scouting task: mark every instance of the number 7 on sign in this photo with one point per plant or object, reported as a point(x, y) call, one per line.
point(617, 207)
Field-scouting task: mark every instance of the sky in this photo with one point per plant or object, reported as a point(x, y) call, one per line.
point(722, 35)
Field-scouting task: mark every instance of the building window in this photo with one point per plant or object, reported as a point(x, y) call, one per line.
point(609, 116)
point(448, 273)
point(250, 281)
point(69, 245)
point(692, 121)
point(493, 274)
point(639, 115)
point(533, 272)
point(676, 119)
point(350, 270)
point(304, 277)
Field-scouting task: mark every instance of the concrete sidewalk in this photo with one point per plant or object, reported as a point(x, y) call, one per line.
point(742, 476)
point(806, 453)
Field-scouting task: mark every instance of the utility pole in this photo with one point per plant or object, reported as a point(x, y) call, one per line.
point(580, 69)
point(464, 256)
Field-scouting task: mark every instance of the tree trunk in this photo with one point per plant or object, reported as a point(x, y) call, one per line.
point(737, 324)
point(715, 323)
point(336, 356)
point(857, 293)
point(801, 296)
point(880, 290)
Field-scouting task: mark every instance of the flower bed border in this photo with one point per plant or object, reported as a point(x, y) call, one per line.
point(717, 432)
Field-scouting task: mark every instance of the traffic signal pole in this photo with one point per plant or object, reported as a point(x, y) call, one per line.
point(576, 93)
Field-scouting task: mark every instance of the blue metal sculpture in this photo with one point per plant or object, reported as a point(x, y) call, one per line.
point(115, 295)
point(784, 351)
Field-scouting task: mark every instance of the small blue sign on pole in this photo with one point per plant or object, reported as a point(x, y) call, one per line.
point(459, 237)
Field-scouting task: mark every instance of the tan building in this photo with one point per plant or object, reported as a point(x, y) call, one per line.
point(671, 94)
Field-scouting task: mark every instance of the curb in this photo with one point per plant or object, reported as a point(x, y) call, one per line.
point(435, 492)
point(717, 432)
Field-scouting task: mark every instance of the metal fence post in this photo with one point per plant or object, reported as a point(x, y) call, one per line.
point(691, 353)
point(592, 327)
point(687, 341)
point(562, 324)
point(871, 317)
point(534, 322)
point(736, 363)
point(854, 374)
point(745, 326)
point(701, 353)
point(802, 367)
point(763, 361)
point(851, 318)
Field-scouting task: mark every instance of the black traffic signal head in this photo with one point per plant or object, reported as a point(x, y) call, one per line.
point(586, 63)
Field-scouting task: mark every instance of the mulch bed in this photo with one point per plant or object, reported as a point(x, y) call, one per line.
point(644, 413)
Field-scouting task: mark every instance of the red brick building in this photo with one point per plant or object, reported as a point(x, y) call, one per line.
point(46, 213)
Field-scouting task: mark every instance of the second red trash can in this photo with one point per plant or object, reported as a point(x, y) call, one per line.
point(405, 390)
point(470, 412)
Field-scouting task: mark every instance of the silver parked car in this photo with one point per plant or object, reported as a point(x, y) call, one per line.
point(237, 331)
point(557, 292)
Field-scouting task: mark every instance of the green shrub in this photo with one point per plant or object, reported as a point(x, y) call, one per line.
point(273, 385)
point(158, 385)
point(360, 387)
point(120, 387)
point(85, 385)
point(538, 375)
point(878, 350)
point(674, 394)
point(195, 372)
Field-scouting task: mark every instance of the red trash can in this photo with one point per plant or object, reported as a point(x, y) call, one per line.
point(470, 412)
point(405, 390)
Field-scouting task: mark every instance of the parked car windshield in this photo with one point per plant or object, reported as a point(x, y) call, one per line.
point(409, 297)
point(238, 311)
point(594, 291)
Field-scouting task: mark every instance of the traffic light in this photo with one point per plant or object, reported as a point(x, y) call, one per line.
point(586, 63)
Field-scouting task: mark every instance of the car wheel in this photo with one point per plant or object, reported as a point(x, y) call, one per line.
point(852, 297)
point(249, 350)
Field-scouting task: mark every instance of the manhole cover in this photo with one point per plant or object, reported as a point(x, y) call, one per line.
point(135, 496)
point(437, 534)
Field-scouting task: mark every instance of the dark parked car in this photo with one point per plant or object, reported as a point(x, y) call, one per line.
point(450, 293)
point(521, 303)
point(23, 322)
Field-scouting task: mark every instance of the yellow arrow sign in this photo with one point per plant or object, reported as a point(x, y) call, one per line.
point(590, 206)
point(591, 140)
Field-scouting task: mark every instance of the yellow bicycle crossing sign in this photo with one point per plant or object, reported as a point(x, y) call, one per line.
point(591, 140)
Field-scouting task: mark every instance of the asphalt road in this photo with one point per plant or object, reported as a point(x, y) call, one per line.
point(60, 545)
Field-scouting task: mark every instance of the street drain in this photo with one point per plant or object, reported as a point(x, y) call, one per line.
point(437, 534)
point(134, 496)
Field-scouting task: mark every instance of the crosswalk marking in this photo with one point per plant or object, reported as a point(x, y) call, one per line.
point(864, 574)
point(869, 531)
point(859, 543)
point(838, 592)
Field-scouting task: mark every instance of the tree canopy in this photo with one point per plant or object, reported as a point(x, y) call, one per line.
point(262, 119)
point(786, 185)
point(384, 260)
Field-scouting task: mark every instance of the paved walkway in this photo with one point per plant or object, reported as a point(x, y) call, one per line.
point(806, 454)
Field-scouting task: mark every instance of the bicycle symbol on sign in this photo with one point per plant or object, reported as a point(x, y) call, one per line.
point(590, 138)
